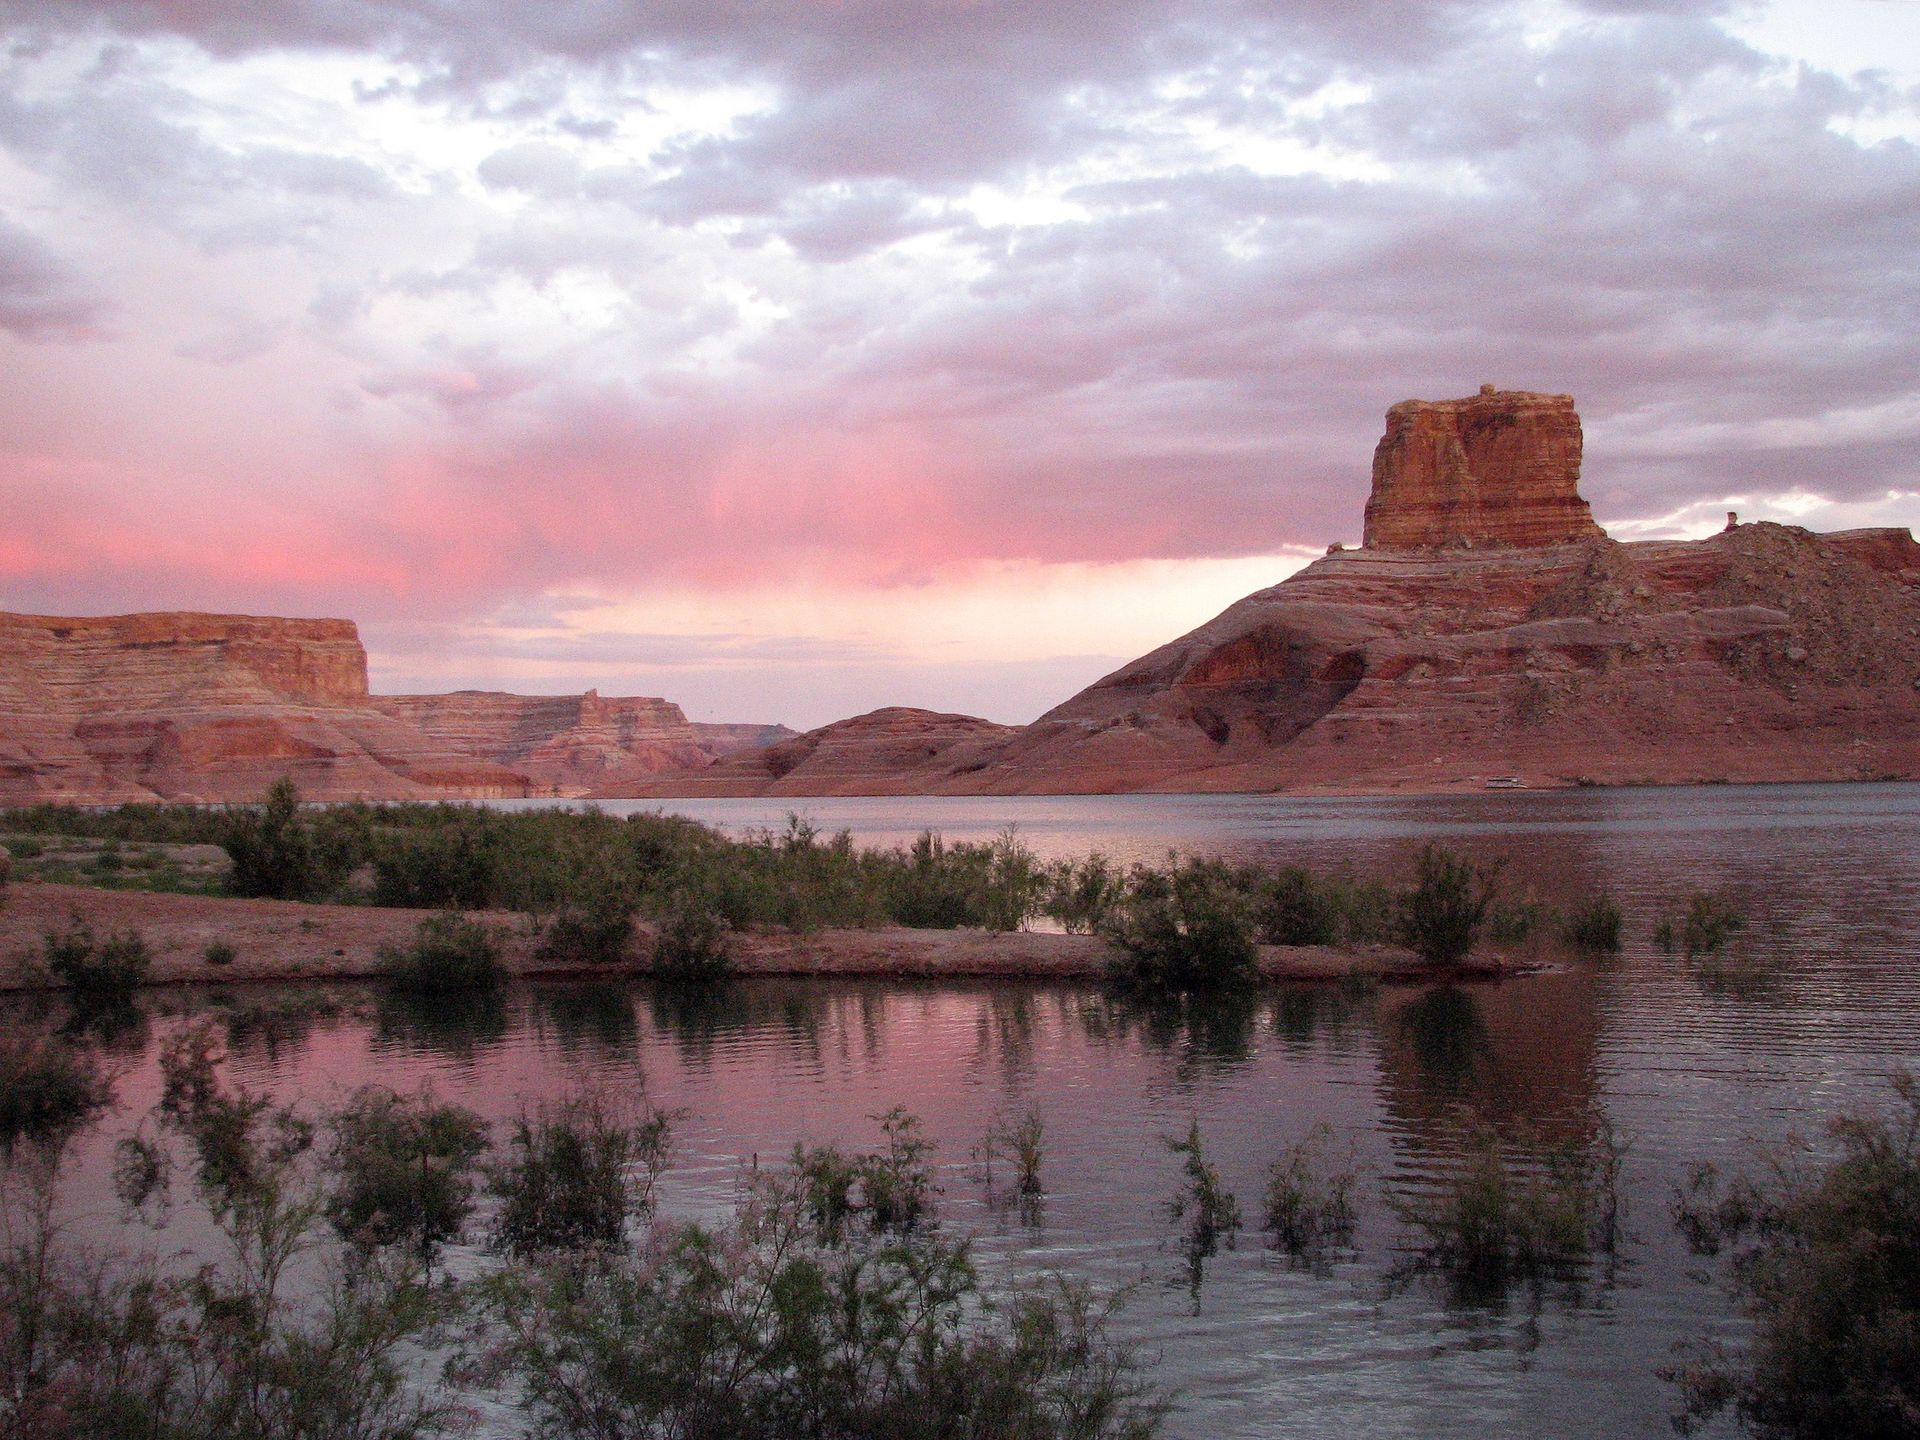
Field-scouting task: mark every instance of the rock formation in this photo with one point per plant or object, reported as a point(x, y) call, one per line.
point(886, 752)
point(106, 709)
point(1499, 468)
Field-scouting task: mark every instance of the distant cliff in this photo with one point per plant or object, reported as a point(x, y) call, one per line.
point(217, 707)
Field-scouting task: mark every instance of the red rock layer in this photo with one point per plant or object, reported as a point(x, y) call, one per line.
point(563, 744)
point(885, 752)
point(1499, 468)
point(720, 739)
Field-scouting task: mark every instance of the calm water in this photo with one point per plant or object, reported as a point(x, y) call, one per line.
point(1687, 1061)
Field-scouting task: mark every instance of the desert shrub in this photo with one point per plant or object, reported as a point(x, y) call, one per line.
point(1439, 916)
point(445, 867)
point(99, 973)
point(402, 1169)
point(759, 1329)
point(1368, 910)
point(1826, 1265)
point(219, 952)
point(1515, 922)
point(1081, 895)
point(1498, 1217)
point(1309, 1195)
point(1185, 928)
point(1292, 908)
point(574, 1171)
point(1014, 886)
point(1203, 1207)
point(593, 924)
point(693, 945)
point(449, 952)
point(1593, 926)
point(934, 886)
point(1709, 921)
point(280, 854)
point(1018, 1141)
point(47, 1087)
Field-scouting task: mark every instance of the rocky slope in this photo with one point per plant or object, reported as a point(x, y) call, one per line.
point(1488, 630)
point(106, 709)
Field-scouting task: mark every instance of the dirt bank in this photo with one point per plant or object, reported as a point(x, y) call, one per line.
point(283, 940)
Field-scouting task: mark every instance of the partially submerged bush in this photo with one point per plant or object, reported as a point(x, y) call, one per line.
point(574, 1171)
point(1309, 1195)
point(100, 973)
point(1500, 1216)
point(1593, 926)
point(1440, 914)
point(1203, 1206)
point(889, 1189)
point(449, 952)
point(402, 1169)
point(1826, 1264)
point(47, 1087)
point(1187, 928)
point(1710, 920)
point(1019, 1142)
point(762, 1329)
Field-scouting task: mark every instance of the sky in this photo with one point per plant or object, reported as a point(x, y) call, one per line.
point(789, 358)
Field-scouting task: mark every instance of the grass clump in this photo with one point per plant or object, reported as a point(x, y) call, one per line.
point(1826, 1265)
point(100, 973)
point(449, 952)
point(1593, 926)
point(48, 1086)
point(574, 1171)
point(1709, 921)
point(403, 1169)
point(1439, 916)
point(1186, 928)
point(1309, 1196)
point(1498, 1217)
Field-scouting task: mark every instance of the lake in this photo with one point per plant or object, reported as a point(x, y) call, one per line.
point(1684, 1060)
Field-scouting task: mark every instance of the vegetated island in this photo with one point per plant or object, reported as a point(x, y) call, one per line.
point(1487, 630)
point(455, 896)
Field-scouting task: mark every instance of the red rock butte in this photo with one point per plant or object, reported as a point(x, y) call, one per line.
point(1498, 468)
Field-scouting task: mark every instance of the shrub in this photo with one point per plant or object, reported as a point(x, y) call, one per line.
point(573, 1173)
point(1495, 1218)
point(1206, 1211)
point(1014, 886)
point(890, 1189)
point(449, 952)
point(280, 855)
point(1187, 928)
point(1081, 896)
point(1826, 1265)
point(1020, 1142)
point(1440, 915)
point(219, 952)
point(1710, 920)
point(1309, 1195)
point(443, 867)
point(1516, 922)
point(593, 925)
point(100, 973)
point(47, 1087)
point(935, 887)
point(761, 1330)
point(402, 1168)
point(692, 946)
point(1593, 926)
point(1293, 909)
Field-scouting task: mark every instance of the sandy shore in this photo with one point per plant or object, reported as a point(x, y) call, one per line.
point(276, 940)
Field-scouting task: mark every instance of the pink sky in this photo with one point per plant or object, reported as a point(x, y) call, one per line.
point(794, 359)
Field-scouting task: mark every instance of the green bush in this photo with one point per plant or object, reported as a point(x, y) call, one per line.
point(1187, 928)
point(279, 854)
point(889, 1189)
point(1710, 920)
point(1309, 1195)
point(449, 952)
point(593, 924)
point(446, 867)
point(1593, 926)
point(692, 946)
point(1294, 909)
point(1440, 915)
point(402, 1169)
point(99, 973)
point(1082, 895)
point(1826, 1265)
point(574, 1172)
point(47, 1087)
point(1203, 1206)
point(219, 952)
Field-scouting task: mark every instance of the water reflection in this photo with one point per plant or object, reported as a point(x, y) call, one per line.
point(461, 1026)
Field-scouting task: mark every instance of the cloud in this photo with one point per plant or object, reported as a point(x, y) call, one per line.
point(40, 298)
